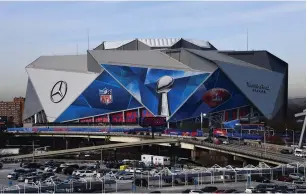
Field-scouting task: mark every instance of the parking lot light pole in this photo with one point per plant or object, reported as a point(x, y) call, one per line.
point(33, 147)
point(100, 159)
point(133, 184)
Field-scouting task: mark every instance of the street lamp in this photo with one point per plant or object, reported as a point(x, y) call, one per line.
point(264, 137)
point(292, 135)
point(202, 115)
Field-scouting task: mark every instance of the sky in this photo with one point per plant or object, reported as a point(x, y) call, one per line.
point(31, 29)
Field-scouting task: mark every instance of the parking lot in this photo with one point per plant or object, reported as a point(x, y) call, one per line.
point(154, 182)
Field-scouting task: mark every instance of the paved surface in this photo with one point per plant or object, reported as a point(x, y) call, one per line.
point(127, 187)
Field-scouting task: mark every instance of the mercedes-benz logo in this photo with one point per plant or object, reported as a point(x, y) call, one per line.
point(58, 91)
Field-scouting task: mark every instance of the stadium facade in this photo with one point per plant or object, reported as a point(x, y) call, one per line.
point(177, 78)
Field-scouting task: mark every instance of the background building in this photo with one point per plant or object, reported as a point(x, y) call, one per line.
point(12, 111)
point(177, 78)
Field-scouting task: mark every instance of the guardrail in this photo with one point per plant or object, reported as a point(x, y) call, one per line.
point(241, 150)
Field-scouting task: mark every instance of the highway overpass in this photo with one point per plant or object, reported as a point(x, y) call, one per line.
point(101, 147)
point(268, 155)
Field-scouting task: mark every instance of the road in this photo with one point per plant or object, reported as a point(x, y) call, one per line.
point(257, 153)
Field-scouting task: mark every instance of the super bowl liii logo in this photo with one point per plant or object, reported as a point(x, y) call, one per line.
point(259, 88)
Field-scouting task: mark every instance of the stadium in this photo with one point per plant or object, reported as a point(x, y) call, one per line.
point(177, 78)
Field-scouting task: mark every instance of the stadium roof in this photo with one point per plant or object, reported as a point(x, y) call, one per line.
point(154, 43)
point(73, 63)
point(218, 57)
point(143, 58)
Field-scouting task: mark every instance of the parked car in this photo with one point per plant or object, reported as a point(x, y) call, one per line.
point(127, 176)
point(31, 179)
point(299, 184)
point(260, 179)
point(286, 151)
point(296, 176)
point(13, 175)
point(265, 188)
point(250, 190)
point(47, 175)
point(226, 142)
point(300, 191)
point(209, 189)
point(69, 170)
point(22, 177)
point(186, 191)
point(57, 169)
point(48, 169)
point(87, 173)
point(281, 189)
point(32, 165)
point(21, 170)
point(285, 179)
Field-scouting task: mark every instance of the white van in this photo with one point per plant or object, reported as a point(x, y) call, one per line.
point(147, 159)
point(161, 160)
point(299, 152)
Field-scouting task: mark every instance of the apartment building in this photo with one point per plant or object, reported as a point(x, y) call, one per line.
point(13, 109)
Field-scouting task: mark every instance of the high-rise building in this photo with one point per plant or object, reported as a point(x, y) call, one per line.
point(13, 109)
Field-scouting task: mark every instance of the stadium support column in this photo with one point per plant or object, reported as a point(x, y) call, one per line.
point(251, 111)
point(238, 113)
point(66, 143)
point(193, 155)
point(123, 116)
point(139, 116)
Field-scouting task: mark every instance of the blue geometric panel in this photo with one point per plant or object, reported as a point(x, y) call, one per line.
point(142, 83)
point(216, 94)
point(91, 103)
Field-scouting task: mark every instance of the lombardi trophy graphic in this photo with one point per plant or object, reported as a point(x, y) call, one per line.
point(164, 85)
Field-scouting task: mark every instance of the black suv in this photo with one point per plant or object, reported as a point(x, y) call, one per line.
point(260, 179)
point(32, 165)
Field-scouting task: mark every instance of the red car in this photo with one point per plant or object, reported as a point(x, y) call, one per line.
point(285, 179)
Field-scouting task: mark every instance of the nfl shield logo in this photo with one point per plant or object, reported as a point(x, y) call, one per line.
point(106, 96)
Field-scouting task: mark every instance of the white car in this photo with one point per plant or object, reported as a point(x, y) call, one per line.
point(127, 176)
point(296, 176)
point(226, 142)
point(129, 170)
point(77, 172)
point(249, 190)
point(87, 173)
point(48, 169)
point(195, 191)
